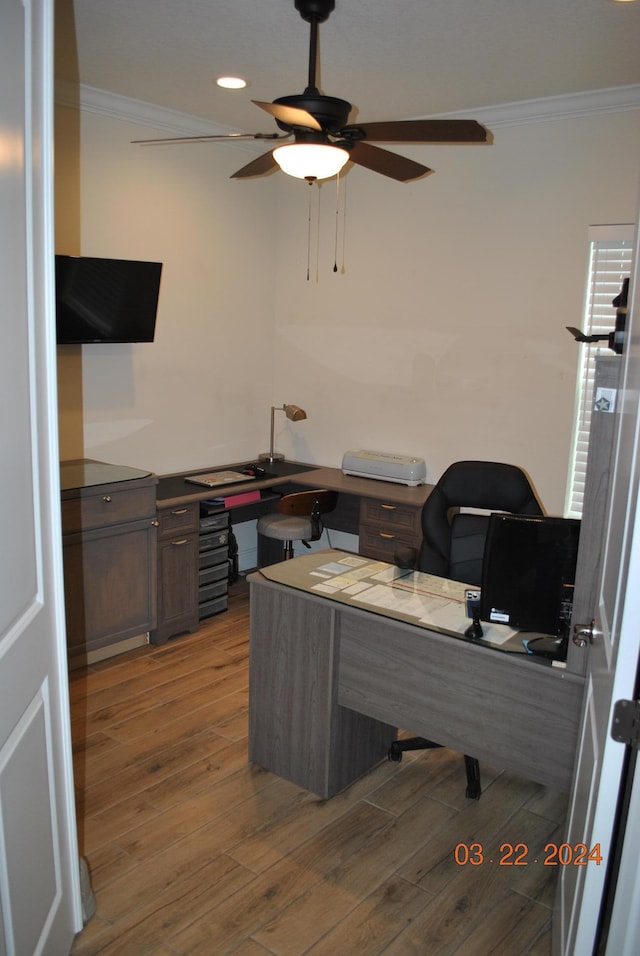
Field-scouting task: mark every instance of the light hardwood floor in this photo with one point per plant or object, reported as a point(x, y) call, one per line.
point(193, 851)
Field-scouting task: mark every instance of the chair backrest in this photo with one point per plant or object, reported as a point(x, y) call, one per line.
point(312, 503)
point(319, 501)
point(453, 542)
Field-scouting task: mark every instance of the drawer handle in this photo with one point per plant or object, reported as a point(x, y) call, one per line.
point(389, 507)
point(385, 534)
point(106, 498)
point(180, 511)
point(178, 543)
point(155, 523)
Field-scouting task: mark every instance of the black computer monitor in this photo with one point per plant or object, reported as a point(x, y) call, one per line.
point(528, 572)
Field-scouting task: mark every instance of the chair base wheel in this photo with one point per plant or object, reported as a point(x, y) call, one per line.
point(472, 768)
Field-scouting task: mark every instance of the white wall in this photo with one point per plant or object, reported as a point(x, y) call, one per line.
point(443, 337)
point(446, 335)
point(199, 394)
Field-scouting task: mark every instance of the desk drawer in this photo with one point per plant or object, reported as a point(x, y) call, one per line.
point(181, 520)
point(386, 526)
point(107, 508)
point(388, 515)
point(378, 543)
point(219, 572)
point(207, 608)
point(208, 559)
point(214, 522)
point(210, 591)
point(217, 539)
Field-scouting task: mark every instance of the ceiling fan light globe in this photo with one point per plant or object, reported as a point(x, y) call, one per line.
point(310, 160)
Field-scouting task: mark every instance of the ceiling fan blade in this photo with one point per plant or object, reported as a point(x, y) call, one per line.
point(421, 131)
point(207, 139)
point(257, 167)
point(389, 164)
point(289, 115)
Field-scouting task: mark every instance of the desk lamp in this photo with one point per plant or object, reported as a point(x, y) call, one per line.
point(295, 414)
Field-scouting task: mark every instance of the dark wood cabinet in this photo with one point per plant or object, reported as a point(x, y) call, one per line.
point(177, 572)
point(109, 552)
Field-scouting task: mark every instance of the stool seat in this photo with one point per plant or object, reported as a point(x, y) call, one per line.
point(285, 527)
point(299, 518)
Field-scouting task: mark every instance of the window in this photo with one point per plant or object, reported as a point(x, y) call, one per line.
point(610, 251)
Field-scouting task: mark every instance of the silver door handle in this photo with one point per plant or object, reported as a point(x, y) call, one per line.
point(584, 634)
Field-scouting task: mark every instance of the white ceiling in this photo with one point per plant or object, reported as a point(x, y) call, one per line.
point(392, 59)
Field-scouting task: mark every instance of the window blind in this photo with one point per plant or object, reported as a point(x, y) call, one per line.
point(610, 253)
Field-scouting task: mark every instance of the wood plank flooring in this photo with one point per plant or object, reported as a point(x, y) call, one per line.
point(193, 851)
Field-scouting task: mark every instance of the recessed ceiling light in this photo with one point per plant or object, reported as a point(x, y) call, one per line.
point(231, 82)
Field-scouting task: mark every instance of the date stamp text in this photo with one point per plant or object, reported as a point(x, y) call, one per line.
point(517, 854)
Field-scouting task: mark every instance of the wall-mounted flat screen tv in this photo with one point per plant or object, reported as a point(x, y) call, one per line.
point(106, 300)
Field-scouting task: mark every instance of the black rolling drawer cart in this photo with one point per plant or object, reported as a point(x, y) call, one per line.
point(213, 561)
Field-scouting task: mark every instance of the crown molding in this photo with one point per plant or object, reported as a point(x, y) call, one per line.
point(615, 99)
point(90, 99)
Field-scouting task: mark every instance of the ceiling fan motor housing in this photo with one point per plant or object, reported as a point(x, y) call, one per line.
point(317, 10)
point(332, 113)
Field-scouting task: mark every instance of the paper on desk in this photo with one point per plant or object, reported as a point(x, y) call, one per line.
point(329, 587)
point(420, 582)
point(340, 575)
point(351, 564)
point(414, 604)
point(436, 602)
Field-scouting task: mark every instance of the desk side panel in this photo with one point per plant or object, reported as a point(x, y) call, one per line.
point(296, 728)
point(509, 710)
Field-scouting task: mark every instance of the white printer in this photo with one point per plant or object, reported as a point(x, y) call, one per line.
point(403, 469)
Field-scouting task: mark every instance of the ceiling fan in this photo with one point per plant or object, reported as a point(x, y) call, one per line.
point(323, 140)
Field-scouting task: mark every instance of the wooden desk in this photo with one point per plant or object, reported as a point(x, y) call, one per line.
point(383, 514)
point(331, 680)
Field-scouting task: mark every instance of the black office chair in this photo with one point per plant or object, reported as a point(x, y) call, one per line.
point(453, 544)
point(299, 518)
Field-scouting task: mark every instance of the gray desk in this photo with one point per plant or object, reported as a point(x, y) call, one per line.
point(332, 677)
point(384, 514)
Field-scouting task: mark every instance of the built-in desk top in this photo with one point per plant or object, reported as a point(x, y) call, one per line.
point(391, 491)
point(431, 602)
point(175, 489)
point(85, 473)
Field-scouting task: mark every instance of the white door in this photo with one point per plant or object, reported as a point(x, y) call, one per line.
point(611, 674)
point(40, 907)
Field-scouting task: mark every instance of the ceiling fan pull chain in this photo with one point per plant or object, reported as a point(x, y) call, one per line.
point(309, 229)
point(318, 239)
point(344, 224)
point(335, 239)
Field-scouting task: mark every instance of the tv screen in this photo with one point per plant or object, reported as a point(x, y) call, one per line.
point(105, 300)
point(528, 571)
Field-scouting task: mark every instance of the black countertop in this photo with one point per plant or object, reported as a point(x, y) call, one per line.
point(176, 488)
